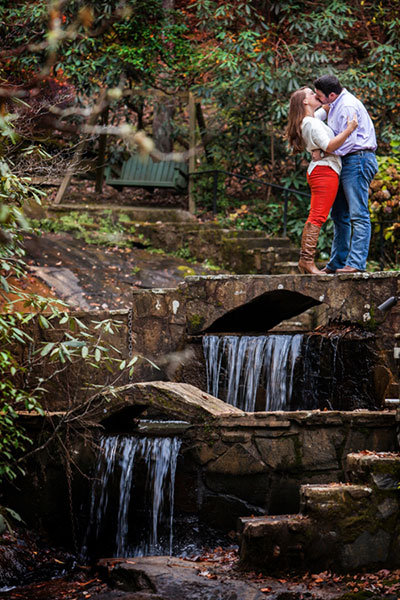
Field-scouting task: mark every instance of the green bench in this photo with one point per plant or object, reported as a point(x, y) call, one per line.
point(144, 173)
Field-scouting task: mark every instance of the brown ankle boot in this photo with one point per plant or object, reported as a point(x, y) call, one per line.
point(309, 242)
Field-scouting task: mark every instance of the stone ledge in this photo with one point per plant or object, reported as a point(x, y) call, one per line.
point(371, 459)
point(272, 524)
point(337, 502)
point(379, 469)
point(282, 419)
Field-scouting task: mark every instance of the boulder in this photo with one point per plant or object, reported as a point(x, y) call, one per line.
point(178, 400)
point(176, 579)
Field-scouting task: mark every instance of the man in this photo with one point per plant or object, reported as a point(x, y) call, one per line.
point(350, 213)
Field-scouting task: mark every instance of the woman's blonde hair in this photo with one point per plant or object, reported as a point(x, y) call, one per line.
point(297, 111)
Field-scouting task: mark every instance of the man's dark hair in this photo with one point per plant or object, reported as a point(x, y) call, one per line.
point(328, 84)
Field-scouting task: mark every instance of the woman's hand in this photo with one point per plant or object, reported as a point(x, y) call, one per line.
point(318, 154)
point(352, 124)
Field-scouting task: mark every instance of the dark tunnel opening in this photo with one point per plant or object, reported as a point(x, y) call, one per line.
point(262, 313)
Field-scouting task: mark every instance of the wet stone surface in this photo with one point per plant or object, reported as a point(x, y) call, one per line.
point(92, 277)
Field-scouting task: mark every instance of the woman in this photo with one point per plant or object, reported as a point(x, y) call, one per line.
point(306, 132)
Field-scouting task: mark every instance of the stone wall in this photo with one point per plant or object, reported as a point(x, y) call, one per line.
point(256, 463)
point(342, 297)
point(163, 319)
point(229, 467)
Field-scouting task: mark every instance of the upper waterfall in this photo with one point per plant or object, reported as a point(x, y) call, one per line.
point(238, 367)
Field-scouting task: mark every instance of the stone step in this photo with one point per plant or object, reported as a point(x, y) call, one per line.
point(103, 237)
point(392, 403)
point(141, 214)
point(274, 254)
point(265, 241)
point(381, 470)
point(285, 268)
point(288, 253)
point(264, 244)
point(264, 260)
point(189, 227)
point(334, 501)
point(341, 526)
point(302, 322)
point(246, 233)
point(276, 542)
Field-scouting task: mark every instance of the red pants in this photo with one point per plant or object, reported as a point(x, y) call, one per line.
point(324, 184)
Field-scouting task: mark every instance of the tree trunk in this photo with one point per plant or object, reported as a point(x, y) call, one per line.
point(164, 110)
point(73, 166)
point(100, 163)
point(162, 124)
point(203, 132)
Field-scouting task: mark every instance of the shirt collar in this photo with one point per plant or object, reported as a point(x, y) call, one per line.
point(344, 91)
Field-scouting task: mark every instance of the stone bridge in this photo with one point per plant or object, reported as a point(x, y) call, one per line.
point(164, 318)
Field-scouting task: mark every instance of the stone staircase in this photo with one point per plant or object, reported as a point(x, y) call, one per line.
point(341, 526)
point(175, 230)
point(236, 250)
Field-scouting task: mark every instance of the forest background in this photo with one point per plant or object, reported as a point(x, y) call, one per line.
point(241, 60)
point(65, 62)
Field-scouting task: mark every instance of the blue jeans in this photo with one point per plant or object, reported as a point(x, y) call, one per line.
point(350, 213)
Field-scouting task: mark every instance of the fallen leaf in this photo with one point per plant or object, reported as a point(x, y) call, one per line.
point(85, 583)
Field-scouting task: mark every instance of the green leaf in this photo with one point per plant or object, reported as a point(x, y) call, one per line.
point(48, 347)
point(14, 514)
point(44, 322)
point(133, 361)
point(4, 283)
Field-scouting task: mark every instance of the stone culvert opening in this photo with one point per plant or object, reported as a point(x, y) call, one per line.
point(122, 419)
point(263, 312)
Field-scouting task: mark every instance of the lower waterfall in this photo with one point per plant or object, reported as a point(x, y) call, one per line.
point(132, 496)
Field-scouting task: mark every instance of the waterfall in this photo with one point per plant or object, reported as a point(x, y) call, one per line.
point(138, 521)
point(238, 366)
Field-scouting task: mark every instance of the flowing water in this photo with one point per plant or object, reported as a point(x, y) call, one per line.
point(238, 367)
point(132, 498)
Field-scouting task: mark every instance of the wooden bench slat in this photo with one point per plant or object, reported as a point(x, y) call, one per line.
point(137, 172)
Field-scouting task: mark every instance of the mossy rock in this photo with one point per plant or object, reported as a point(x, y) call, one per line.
point(196, 322)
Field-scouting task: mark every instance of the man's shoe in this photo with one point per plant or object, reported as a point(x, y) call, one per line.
point(328, 271)
point(348, 269)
